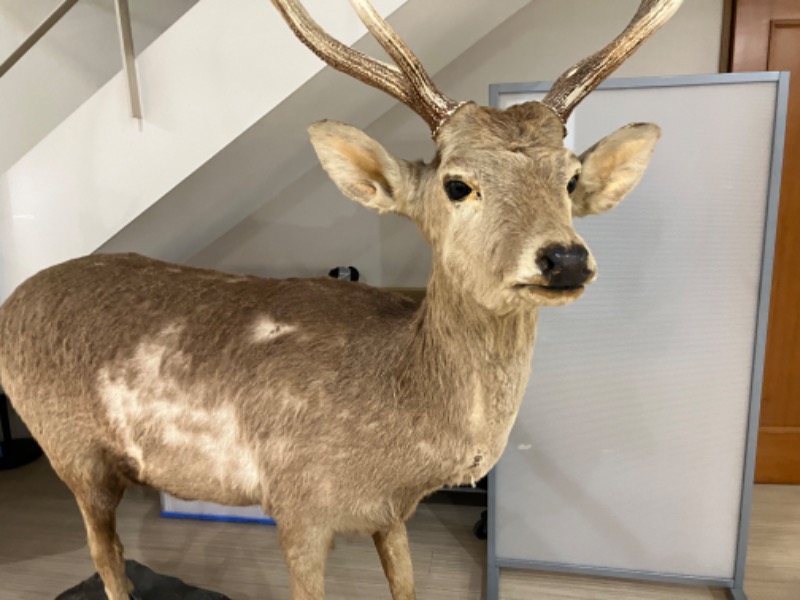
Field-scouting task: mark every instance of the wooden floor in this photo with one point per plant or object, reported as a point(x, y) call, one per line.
point(43, 552)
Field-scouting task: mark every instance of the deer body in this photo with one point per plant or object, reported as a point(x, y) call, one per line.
point(222, 388)
point(335, 406)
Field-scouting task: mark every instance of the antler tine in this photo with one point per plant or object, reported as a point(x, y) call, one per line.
point(428, 101)
point(368, 70)
point(586, 75)
point(410, 84)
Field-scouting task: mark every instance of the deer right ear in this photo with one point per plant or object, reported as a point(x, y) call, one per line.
point(359, 166)
point(612, 168)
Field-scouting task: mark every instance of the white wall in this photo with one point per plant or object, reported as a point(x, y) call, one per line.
point(309, 227)
point(274, 151)
point(69, 64)
point(74, 60)
point(206, 81)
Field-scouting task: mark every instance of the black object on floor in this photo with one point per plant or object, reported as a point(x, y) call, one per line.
point(481, 529)
point(14, 453)
point(148, 584)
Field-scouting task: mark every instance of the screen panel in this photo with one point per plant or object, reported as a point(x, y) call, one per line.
point(628, 452)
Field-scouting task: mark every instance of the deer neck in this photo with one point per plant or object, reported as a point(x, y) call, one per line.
point(460, 329)
point(477, 363)
point(469, 368)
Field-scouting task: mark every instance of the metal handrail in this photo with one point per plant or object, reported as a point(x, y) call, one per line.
point(128, 55)
point(126, 45)
point(53, 18)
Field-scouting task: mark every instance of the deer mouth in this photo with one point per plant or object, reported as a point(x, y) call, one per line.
point(553, 292)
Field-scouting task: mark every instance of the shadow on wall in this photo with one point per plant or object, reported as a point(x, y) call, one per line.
point(311, 228)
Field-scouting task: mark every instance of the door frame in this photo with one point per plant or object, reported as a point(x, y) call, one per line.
point(747, 27)
point(726, 40)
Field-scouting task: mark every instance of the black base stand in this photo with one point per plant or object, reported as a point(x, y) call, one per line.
point(148, 585)
point(14, 453)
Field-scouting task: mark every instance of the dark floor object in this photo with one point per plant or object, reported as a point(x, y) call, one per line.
point(481, 529)
point(149, 586)
point(14, 453)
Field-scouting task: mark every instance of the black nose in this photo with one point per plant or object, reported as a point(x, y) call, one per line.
point(563, 266)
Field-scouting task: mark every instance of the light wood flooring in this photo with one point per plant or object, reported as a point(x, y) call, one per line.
point(43, 552)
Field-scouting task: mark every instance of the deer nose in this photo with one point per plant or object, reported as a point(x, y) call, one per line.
point(564, 267)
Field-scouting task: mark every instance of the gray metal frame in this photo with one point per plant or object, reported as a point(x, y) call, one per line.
point(736, 585)
point(128, 56)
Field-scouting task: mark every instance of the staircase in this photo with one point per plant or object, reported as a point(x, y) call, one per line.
point(227, 93)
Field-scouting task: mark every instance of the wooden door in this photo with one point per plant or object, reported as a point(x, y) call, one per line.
point(766, 37)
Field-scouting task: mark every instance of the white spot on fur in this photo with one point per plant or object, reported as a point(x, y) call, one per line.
point(278, 449)
point(293, 405)
point(427, 448)
point(266, 329)
point(524, 446)
point(325, 489)
point(120, 413)
point(150, 408)
point(477, 417)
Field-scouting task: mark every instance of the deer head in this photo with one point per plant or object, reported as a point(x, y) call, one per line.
point(497, 202)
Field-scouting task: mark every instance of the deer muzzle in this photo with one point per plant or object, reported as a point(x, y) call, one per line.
point(564, 267)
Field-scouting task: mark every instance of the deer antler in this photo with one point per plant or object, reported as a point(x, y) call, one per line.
point(410, 84)
point(586, 75)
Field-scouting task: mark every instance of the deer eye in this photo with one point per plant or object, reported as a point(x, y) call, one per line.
point(573, 183)
point(457, 190)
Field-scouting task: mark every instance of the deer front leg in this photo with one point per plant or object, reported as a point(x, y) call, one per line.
point(305, 549)
point(392, 545)
point(98, 509)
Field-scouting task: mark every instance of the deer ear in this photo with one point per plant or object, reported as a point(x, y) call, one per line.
point(359, 166)
point(612, 168)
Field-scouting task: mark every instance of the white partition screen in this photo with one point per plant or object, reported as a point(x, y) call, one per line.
point(637, 431)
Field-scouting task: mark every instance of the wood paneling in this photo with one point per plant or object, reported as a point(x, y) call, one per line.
point(779, 437)
point(752, 24)
point(778, 453)
point(767, 37)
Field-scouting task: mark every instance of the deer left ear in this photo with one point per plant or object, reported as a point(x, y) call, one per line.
point(612, 168)
point(359, 166)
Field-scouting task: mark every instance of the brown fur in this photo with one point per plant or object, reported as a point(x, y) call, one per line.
point(333, 405)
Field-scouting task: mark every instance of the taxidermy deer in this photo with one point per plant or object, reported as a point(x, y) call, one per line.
point(333, 405)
